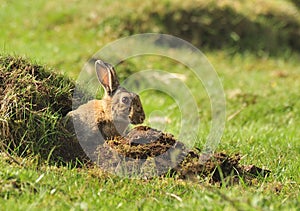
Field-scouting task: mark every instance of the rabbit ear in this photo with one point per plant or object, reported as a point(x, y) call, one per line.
point(107, 76)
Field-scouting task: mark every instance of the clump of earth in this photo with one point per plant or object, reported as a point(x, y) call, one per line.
point(146, 152)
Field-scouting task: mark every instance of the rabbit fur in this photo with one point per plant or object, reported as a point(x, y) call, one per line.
point(99, 120)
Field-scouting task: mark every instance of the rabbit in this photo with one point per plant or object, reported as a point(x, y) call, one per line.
point(100, 120)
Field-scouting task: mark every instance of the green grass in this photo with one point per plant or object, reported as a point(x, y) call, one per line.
point(68, 34)
point(49, 188)
point(261, 87)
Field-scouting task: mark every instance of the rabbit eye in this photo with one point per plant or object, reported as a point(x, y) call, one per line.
point(125, 100)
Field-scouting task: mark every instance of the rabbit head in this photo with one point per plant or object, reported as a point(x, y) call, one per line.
point(125, 106)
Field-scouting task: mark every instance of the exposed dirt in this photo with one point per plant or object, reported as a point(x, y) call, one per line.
point(147, 152)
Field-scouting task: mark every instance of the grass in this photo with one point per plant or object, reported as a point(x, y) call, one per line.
point(66, 36)
point(50, 188)
point(261, 87)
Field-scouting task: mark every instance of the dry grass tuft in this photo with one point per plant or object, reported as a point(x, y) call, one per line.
point(33, 99)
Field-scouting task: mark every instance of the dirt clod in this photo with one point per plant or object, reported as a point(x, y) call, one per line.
point(148, 152)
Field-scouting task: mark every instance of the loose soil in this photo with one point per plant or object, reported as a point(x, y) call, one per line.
point(146, 152)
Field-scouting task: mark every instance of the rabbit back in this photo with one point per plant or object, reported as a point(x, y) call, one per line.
point(92, 118)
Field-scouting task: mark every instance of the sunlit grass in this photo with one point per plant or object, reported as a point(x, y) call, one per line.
point(262, 108)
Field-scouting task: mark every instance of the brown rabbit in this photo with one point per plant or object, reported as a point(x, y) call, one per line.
point(98, 120)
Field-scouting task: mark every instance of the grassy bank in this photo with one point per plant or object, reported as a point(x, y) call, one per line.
point(66, 35)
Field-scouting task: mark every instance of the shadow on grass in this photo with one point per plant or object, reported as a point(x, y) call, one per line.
point(296, 3)
point(216, 28)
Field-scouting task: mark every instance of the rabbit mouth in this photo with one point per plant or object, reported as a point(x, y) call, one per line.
point(123, 118)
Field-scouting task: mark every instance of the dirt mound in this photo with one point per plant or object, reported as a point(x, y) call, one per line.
point(147, 152)
point(33, 99)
